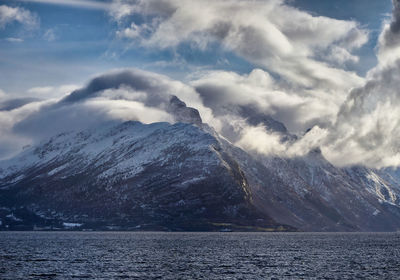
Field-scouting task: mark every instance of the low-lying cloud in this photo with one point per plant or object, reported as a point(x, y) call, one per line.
point(367, 128)
point(362, 131)
point(117, 96)
point(298, 98)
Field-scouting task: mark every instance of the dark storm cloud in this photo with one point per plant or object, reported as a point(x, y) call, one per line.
point(395, 25)
point(390, 37)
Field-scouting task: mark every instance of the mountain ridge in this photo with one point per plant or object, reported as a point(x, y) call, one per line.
point(186, 179)
point(185, 176)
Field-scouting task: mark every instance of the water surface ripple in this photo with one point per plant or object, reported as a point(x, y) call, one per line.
point(149, 255)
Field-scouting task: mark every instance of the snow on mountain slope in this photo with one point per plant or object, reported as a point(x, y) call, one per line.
point(132, 174)
point(313, 195)
point(352, 196)
point(186, 176)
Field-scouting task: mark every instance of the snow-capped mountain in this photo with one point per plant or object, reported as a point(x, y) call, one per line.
point(184, 176)
point(131, 175)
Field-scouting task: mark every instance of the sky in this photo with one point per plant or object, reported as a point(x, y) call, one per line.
point(66, 44)
point(325, 69)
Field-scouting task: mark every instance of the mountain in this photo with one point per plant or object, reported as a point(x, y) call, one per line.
point(185, 176)
point(156, 176)
point(313, 195)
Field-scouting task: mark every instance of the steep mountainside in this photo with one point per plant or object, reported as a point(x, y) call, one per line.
point(313, 195)
point(157, 176)
point(185, 176)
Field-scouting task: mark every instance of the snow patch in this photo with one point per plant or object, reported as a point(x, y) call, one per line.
point(55, 170)
point(71, 225)
point(13, 217)
point(376, 212)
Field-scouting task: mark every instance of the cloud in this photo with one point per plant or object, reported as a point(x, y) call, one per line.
point(2, 94)
point(300, 83)
point(367, 127)
point(11, 142)
point(299, 109)
point(8, 102)
point(11, 104)
point(242, 108)
point(116, 96)
point(14, 40)
point(151, 89)
point(308, 53)
point(17, 14)
point(85, 4)
point(50, 35)
point(269, 34)
point(340, 56)
point(251, 109)
point(239, 107)
point(359, 128)
point(51, 92)
point(259, 140)
point(389, 40)
point(97, 112)
point(132, 94)
point(131, 32)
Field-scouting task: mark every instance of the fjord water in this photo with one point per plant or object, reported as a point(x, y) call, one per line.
point(149, 255)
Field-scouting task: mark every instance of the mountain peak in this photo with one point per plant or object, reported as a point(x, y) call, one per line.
point(182, 113)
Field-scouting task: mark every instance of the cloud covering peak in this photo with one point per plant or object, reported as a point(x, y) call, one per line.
point(299, 95)
point(367, 125)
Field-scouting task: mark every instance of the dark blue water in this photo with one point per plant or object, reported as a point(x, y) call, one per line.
point(111, 255)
